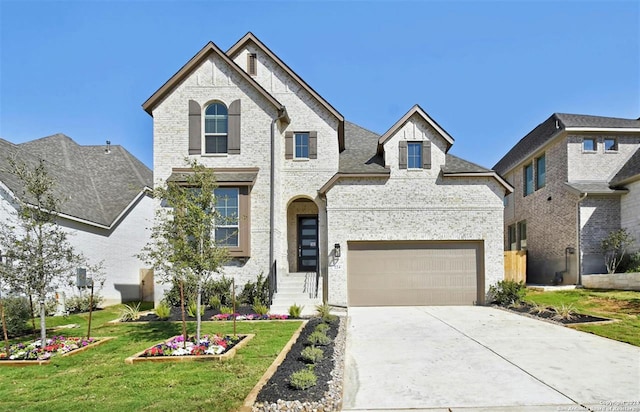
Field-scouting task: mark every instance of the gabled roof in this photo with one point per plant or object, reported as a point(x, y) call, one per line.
point(553, 126)
point(630, 171)
point(594, 188)
point(209, 49)
point(416, 109)
point(97, 187)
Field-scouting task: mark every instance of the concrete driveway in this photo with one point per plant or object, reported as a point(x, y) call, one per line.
point(480, 358)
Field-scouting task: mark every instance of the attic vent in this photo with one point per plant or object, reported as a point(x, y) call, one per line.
point(252, 64)
point(107, 150)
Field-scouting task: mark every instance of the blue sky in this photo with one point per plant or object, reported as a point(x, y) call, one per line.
point(488, 72)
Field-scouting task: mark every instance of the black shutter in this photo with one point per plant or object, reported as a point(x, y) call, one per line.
point(195, 128)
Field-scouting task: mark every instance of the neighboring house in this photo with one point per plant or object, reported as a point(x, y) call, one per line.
point(106, 207)
point(381, 220)
point(576, 179)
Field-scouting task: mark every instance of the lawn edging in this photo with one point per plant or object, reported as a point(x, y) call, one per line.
point(137, 358)
point(253, 394)
point(99, 341)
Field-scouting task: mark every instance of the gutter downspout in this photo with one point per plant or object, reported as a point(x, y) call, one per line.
point(578, 230)
point(282, 113)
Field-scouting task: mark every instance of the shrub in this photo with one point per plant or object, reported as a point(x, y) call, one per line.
point(564, 312)
point(322, 328)
point(17, 313)
point(614, 247)
point(311, 354)
point(538, 309)
point(163, 311)
point(507, 292)
point(130, 312)
point(192, 309)
point(226, 310)
point(318, 338)
point(80, 303)
point(324, 311)
point(214, 302)
point(214, 287)
point(259, 308)
point(258, 290)
point(303, 379)
point(634, 263)
point(295, 311)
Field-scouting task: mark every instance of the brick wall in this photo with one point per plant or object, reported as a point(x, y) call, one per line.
point(599, 215)
point(630, 212)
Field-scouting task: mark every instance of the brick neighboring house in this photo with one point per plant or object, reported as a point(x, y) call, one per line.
point(576, 179)
point(375, 220)
point(106, 206)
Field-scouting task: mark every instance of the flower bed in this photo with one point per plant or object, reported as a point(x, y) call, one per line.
point(37, 353)
point(209, 347)
point(251, 316)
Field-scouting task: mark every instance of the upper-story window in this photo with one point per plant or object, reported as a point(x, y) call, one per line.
point(541, 172)
point(301, 145)
point(528, 179)
point(610, 145)
point(215, 128)
point(414, 155)
point(589, 144)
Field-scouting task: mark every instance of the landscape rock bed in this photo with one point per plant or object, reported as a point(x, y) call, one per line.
point(551, 315)
point(278, 395)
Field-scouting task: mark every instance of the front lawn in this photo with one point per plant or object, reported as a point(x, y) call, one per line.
point(98, 379)
point(621, 305)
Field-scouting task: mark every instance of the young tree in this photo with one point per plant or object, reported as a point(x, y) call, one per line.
point(42, 257)
point(614, 246)
point(183, 245)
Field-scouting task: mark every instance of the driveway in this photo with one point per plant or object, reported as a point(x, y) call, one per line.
point(481, 358)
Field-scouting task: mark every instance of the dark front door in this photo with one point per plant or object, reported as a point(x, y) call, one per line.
point(307, 243)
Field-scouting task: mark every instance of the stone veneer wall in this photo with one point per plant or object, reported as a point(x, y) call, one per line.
point(599, 215)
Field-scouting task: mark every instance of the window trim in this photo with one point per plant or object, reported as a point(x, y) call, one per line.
point(227, 225)
point(244, 219)
point(595, 145)
point(522, 241)
point(615, 145)
point(295, 146)
point(409, 156)
point(525, 180)
point(537, 163)
point(214, 135)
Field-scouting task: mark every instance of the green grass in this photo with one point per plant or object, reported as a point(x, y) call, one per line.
point(621, 305)
point(99, 380)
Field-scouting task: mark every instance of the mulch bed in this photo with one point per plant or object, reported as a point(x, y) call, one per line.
point(552, 315)
point(176, 314)
point(278, 386)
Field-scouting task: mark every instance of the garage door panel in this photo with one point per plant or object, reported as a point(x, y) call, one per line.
point(413, 273)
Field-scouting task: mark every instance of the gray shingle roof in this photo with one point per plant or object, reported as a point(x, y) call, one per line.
point(95, 186)
point(546, 130)
point(359, 155)
point(593, 187)
point(454, 164)
point(629, 170)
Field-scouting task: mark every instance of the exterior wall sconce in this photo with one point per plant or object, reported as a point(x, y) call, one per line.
point(336, 249)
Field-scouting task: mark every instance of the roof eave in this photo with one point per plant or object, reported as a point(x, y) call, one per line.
point(340, 175)
point(507, 187)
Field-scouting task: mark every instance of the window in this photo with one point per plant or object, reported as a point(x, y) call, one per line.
point(301, 145)
point(252, 66)
point(528, 179)
point(414, 155)
point(215, 128)
point(610, 145)
point(511, 238)
point(522, 235)
point(228, 207)
point(541, 172)
point(589, 145)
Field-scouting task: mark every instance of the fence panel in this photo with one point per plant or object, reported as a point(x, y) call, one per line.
point(515, 265)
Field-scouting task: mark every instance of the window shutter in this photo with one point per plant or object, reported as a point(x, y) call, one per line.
point(402, 155)
point(426, 154)
point(313, 145)
point(288, 145)
point(233, 131)
point(195, 128)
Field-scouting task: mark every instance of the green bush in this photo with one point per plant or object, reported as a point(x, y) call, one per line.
point(80, 303)
point(295, 311)
point(163, 311)
point(507, 292)
point(634, 263)
point(16, 313)
point(214, 302)
point(259, 308)
point(226, 310)
point(318, 338)
point(324, 312)
point(311, 354)
point(258, 290)
point(322, 327)
point(214, 287)
point(130, 312)
point(303, 379)
point(192, 309)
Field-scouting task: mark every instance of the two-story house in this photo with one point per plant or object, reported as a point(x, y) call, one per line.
point(375, 220)
point(576, 179)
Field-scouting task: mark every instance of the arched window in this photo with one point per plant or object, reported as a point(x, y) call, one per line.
point(215, 128)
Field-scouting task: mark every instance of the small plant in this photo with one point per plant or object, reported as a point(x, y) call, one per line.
point(215, 302)
point(130, 312)
point(538, 309)
point(226, 310)
point(16, 313)
point(324, 311)
point(192, 309)
point(295, 311)
point(322, 328)
point(516, 304)
point(163, 311)
point(564, 312)
point(318, 338)
point(506, 292)
point(259, 308)
point(614, 246)
point(80, 303)
point(303, 379)
point(311, 354)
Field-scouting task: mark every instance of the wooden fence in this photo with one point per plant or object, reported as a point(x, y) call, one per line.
point(515, 265)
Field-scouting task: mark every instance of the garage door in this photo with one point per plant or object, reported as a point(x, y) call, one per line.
point(415, 273)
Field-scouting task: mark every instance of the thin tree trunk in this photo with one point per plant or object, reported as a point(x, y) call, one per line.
point(90, 312)
point(198, 316)
point(43, 323)
point(4, 328)
point(33, 317)
point(233, 299)
point(184, 318)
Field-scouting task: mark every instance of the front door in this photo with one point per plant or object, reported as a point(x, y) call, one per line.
point(307, 243)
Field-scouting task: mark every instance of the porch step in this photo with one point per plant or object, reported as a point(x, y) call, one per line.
point(294, 288)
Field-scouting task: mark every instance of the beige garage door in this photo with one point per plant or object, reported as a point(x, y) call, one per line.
point(415, 273)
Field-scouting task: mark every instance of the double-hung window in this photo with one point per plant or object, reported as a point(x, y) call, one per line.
point(215, 128)
point(610, 145)
point(227, 207)
point(528, 179)
point(414, 155)
point(589, 144)
point(541, 172)
point(301, 141)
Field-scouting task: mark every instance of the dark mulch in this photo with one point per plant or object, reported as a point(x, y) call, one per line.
point(176, 314)
point(278, 386)
point(550, 314)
